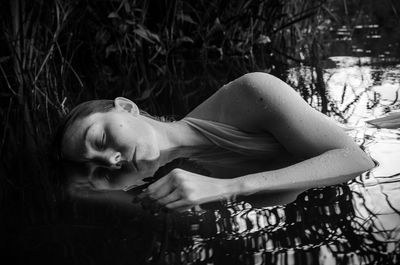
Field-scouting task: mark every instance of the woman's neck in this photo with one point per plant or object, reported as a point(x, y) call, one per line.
point(175, 134)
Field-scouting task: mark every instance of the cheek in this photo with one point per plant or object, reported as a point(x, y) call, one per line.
point(121, 136)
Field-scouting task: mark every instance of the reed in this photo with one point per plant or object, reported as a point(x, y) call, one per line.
point(59, 53)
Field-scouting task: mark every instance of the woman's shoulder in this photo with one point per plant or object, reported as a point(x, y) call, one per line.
point(239, 103)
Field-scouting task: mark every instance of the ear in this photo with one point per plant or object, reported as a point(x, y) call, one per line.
point(124, 104)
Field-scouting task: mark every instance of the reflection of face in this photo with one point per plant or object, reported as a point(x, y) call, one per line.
point(110, 138)
point(91, 176)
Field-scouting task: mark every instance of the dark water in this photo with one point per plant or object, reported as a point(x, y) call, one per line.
point(71, 214)
point(351, 223)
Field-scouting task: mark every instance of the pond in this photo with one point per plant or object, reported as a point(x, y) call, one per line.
point(93, 216)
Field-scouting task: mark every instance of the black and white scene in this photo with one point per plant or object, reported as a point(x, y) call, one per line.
point(201, 132)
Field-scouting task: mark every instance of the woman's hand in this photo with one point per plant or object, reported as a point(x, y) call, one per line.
point(181, 189)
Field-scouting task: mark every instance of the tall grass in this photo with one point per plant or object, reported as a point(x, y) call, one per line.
point(57, 53)
point(36, 76)
point(36, 69)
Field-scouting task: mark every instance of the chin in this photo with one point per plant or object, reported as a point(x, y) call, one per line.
point(150, 154)
point(142, 154)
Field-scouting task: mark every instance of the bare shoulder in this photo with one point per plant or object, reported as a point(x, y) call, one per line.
point(269, 96)
point(281, 111)
point(246, 101)
point(260, 102)
point(256, 100)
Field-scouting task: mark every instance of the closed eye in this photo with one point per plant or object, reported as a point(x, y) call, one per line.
point(101, 143)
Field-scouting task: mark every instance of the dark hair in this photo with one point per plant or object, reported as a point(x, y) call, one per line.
point(81, 111)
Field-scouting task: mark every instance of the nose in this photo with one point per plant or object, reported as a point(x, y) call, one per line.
point(113, 158)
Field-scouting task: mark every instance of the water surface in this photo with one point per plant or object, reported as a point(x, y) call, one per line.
point(86, 215)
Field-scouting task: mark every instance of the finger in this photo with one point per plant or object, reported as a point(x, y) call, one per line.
point(162, 191)
point(150, 189)
point(169, 198)
point(158, 184)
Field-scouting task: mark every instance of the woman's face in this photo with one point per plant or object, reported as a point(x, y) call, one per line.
point(110, 138)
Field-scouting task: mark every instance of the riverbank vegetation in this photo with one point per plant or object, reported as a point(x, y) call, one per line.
point(58, 53)
point(166, 55)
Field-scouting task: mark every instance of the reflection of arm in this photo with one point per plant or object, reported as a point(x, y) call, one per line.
point(331, 156)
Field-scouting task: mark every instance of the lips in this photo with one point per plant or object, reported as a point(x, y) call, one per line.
point(133, 159)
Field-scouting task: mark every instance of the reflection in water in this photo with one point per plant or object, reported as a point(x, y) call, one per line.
point(102, 222)
point(334, 223)
point(353, 223)
point(246, 234)
point(360, 90)
point(356, 89)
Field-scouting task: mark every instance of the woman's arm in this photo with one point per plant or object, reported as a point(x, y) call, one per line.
point(182, 189)
point(332, 167)
point(331, 156)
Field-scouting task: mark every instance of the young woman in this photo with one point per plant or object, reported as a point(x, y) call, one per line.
point(256, 114)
